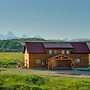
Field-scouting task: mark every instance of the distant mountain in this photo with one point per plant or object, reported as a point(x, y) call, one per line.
point(2, 36)
point(10, 35)
point(24, 36)
point(37, 36)
point(80, 40)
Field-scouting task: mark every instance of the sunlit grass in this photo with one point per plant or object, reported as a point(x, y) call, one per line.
point(9, 59)
point(36, 82)
point(11, 56)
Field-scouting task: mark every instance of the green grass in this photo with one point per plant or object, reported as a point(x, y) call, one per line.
point(9, 59)
point(35, 82)
point(11, 56)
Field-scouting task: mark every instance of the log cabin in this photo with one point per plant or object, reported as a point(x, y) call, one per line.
point(56, 55)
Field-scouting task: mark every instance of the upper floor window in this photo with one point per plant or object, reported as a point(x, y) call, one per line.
point(55, 51)
point(67, 52)
point(50, 52)
point(63, 52)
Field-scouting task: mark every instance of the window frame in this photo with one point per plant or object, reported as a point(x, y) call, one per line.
point(38, 61)
point(78, 60)
point(67, 51)
point(55, 51)
point(62, 51)
point(50, 52)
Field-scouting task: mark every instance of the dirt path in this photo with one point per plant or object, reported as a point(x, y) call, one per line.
point(67, 73)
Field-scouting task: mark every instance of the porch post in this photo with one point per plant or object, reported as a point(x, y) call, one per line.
point(48, 64)
point(52, 64)
point(72, 64)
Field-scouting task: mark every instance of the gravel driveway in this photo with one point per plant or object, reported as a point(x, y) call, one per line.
point(71, 73)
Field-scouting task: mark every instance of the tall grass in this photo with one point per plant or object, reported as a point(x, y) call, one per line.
point(34, 82)
point(9, 59)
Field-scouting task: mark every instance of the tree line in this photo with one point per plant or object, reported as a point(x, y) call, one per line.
point(16, 45)
point(10, 46)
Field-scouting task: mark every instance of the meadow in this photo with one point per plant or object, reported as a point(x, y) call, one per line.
point(21, 81)
point(10, 59)
point(36, 82)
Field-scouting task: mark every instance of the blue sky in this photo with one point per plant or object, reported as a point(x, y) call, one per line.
point(51, 19)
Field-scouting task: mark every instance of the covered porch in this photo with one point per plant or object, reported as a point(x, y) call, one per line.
point(60, 61)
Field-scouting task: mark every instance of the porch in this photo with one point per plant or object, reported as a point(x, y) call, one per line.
point(60, 61)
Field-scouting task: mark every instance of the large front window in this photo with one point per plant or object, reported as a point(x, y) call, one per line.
point(77, 60)
point(38, 61)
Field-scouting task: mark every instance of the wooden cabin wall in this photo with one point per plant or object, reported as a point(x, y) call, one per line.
point(84, 60)
point(26, 59)
point(34, 58)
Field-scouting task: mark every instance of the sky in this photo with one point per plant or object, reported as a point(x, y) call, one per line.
point(50, 19)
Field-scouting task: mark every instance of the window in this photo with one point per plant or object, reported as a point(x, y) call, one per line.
point(63, 51)
point(55, 51)
point(50, 52)
point(67, 52)
point(77, 60)
point(38, 61)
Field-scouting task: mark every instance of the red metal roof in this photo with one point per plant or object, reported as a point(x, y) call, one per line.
point(80, 47)
point(34, 47)
point(57, 45)
point(39, 47)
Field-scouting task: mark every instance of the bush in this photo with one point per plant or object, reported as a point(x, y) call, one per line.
point(8, 64)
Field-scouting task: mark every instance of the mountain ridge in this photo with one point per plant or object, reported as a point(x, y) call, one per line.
point(11, 35)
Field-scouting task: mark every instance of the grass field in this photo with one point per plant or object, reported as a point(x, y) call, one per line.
point(16, 81)
point(35, 82)
point(11, 56)
point(9, 59)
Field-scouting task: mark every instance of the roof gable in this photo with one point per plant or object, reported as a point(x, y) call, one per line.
point(34, 47)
